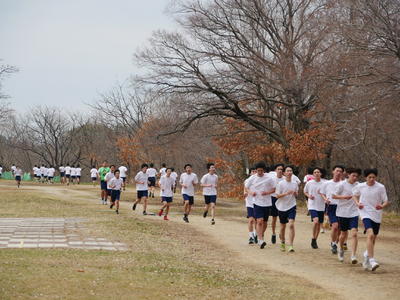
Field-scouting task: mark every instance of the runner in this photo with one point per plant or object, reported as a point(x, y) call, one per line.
point(371, 198)
point(18, 175)
point(188, 180)
point(163, 170)
point(115, 183)
point(35, 170)
point(94, 174)
point(61, 169)
point(73, 174)
point(13, 169)
point(174, 175)
point(166, 184)
point(123, 170)
point(50, 174)
point(42, 173)
point(309, 176)
point(1, 170)
point(68, 173)
point(277, 175)
point(78, 171)
point(142, 188)
point(250, 211)
point(103, 184)
point(347, 213)
point(151, 173)
point(107, 179)
point(260, 187)
point(315, 203)
point(209, 182)
point(286, 192)
point(327, 191)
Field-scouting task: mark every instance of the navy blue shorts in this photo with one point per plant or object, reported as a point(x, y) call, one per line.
point(250, 212)
point(262, 212)
point(141, 194)
point(123, 179)
point(152, 181)
point(94, 178)
point(18, 178)
point(62, 174)
point(348, 223)
point(115, 195)
point(73, 176)
point(332, 213)
point(103, 185)
point(317, 214)
point(166, 199)
point(210, 199)
point(67, 175)
point(274, 210)
point(285, 216)
point(50, 177)
point(109, 192)
point(368, 223)
point(188, 198)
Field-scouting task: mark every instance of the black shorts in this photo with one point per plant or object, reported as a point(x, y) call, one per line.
point(18, 178)
point(68, 175)
point(115, 195)
point(188, 198)
point(210, 199)
point(62, 174)
point(262, 212)
point(94, 178)
point(274, 210)
point(103, 185)
point(109, 192)
point(317, 214)
point(152, 181)
point(123, 179)
point(141, 194)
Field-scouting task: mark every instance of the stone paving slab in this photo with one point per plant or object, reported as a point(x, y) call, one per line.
point(51, 233)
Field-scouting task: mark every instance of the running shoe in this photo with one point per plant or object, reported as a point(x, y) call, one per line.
point(273, 239)
point(290, 249)
point(212, 222)
point(354, 259)
point(144, 213)
point(255, 239)
point(205, 214)
point(134, 206)
point(111, 206)
point(345, 247)
point(262, 245)
point(166, 218)
point(117, 212)
point(322, 230)
point(160, 212)
point(283, 247)
point(314, 244)
point(251, 241)
point(341, 255)
point(334, 248)
point(373, 265)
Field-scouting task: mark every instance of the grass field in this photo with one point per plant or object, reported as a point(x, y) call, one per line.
point(165, 259)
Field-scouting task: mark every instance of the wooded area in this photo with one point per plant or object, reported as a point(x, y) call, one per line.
point(307, 82)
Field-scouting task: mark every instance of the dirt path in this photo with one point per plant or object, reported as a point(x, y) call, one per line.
point(317, 266)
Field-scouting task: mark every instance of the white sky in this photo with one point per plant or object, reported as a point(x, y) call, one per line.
point(68, 51)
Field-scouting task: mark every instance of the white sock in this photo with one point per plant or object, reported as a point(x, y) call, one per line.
point(251, 235)
point(260, 242)
point(254, 233)
point(366, 253)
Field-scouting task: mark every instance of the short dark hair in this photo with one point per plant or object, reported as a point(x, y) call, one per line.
point(169, 169)
point(319, 169)
point(353, 170)
point(172, 169)
point(338, 166)
point(251, 169)
point(93, 166)
point(112, 166)
point(151, 165)
point(187, 165)
point(261, 165)
point(310, 170)
point(371, 171)
point(117, 171)
point(279, 165)
point(144, 166)
point(209, 165)
point(163, 165)
point(288, 166)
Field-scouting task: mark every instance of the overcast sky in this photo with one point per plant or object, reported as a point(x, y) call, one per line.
point(68, 51)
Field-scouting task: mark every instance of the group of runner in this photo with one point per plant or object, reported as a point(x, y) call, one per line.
point(16, 172)
point(342, 198)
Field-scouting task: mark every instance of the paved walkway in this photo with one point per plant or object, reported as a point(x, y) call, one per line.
point(50, 233)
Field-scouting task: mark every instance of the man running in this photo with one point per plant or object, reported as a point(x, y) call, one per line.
point(250, 211)
point(151, 173)
point(277, 175)
point(103, 184)
point(1, 170)
point(115, 184)
point(107, 179)
point(260, 187)
point(50, 174)
point(209, 182)
point(174, 175)
point(73, 174)
point(18, 175)
point(123, 171)
point(371, 198)
point(68, 173)
point(327, 191)
point(347, 213)
point(286, 193)
point(142, 188)
point(315, 203)
point(61, 169)
point(78, 172)
point(94, 174)
point(167, 183)
point(188, 180)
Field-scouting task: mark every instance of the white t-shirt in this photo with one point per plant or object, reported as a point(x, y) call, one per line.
point(249, 199)
point(151, 172)
point(93, 173)
point(258, 184)
point(50, 172)
point(42, 171)
point(141, 177)
point(329, 189)
point(174, 175)
point(163, 171)
point(313, 188)
point(13, 168)
point(346, 208)
point(35, 170)
point(73, 171)
point(68, 170)
point(296, 179)
point(115, 183)
point(122, 171)
point(370, 197)
point(108, 178)
point(18, 172)
point(277, 180)
point(188, 180)
point(46, 172)
point(287, 202)
point(78, 171)
point(61, 169)
point(1, 170)
point(166, 186)
point(209, 179)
